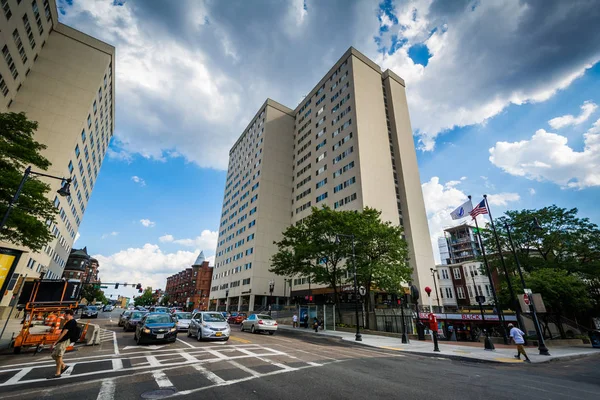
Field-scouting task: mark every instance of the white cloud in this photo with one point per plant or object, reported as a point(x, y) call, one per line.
point(206, 240)
point(468, 80)
point(166, 238)
point(104, 236)
point(147, 265)
point(138, 180)
point(442, 199)
point(502, 199)
point(548, 157)
point(532, 191)
point(147, 223)
point(77, 236)
point(587, 109)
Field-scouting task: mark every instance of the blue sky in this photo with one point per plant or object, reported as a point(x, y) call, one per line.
point(480, 75)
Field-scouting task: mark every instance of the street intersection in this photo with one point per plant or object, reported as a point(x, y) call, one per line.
point(288, 365)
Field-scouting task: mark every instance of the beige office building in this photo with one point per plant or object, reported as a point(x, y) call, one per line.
point(348, 145)
point(63, 79)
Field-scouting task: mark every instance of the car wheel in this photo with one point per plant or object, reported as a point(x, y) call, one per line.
point(189, 333)
point(271, 333)
point(138, 340)
point(199, 335)
point(253, 330)
point(242, 327)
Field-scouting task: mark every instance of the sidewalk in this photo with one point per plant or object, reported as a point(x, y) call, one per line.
point(13, 326)
point(457, 350)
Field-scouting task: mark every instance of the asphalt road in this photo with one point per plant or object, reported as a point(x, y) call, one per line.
point(284, 366)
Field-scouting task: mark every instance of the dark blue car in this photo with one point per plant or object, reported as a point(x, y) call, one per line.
point(156, 327)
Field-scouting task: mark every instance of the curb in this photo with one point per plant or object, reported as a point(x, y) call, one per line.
point(453, 357)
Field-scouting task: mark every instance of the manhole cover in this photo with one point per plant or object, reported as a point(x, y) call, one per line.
point(158, 394)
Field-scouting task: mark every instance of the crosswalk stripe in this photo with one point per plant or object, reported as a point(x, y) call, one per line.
point(161, 379)
point(17, 377)
point(107, 390)
point(211, 376)
point(244, 368)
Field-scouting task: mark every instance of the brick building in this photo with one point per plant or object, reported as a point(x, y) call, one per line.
point(81, 266)
point(190, 288)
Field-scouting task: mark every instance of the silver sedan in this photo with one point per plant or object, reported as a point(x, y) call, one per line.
point(256, 323)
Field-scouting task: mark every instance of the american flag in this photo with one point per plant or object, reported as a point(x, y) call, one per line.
point(479, 209)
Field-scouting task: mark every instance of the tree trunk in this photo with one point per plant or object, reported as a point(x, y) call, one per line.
point(561, 329)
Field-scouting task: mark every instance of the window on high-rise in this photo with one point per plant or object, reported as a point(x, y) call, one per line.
point(3, 87)
point(6, 9)
point(19, 44)
point(10, 62)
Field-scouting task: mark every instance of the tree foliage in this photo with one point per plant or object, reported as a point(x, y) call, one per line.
point(310, 249)
point(559, 260)
point(89, 292)
point(26, 224)
point(146, 299)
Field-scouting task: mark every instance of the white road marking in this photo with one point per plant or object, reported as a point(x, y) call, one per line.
point(244, 368)
point(186, 343)
point(115, 343)
point(152, 347)
point(217, 354)
point(107, 390)
point(211, 376)
point(161, 379)
point(153, 361)
point(68, 371)
point(17, 377)
point(189, 357)
point(117, 364)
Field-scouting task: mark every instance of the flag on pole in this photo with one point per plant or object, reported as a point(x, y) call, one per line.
point(479, 209)
point(462, 211)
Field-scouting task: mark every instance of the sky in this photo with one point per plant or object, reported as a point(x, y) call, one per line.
point(503, 98)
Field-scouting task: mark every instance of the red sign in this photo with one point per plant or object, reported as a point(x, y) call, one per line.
point(433, 322)
point(526, 299)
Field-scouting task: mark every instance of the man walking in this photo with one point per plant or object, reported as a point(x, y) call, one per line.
point(68, 334)
point(517, 336)
point(295, 320)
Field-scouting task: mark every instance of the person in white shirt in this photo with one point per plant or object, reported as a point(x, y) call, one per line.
point(295, 321)
point(517, 336)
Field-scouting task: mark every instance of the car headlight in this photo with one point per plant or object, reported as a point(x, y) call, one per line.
point(146, 330)
point(173, 329)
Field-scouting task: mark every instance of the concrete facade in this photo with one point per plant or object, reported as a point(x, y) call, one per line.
point(347, 145)
point(63, 79)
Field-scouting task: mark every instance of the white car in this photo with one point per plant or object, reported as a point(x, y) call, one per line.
point(257, 323)
point(183, 320)
point(209, 325)
point(90, 312)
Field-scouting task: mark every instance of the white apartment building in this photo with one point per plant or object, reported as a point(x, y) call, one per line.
point(348, 145)
point(63, 79)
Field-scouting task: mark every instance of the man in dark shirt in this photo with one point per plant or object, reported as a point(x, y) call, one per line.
point(67, 335)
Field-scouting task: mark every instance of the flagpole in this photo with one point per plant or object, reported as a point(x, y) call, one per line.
point(489, 275)
point(513, 300)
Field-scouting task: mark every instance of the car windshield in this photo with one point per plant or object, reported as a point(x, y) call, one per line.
point(126, 313)
point(183, 315)
point(264, 317)
point(158, 319)
point(160, 309)
point(137, 315)
point(91, 308)
point(213, 317)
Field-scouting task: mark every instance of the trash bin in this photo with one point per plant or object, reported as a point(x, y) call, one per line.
point(595, 338)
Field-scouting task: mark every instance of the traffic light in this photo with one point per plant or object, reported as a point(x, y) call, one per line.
point(116, 285)
point(139, 286)
point(96, 286)
point(140, 290)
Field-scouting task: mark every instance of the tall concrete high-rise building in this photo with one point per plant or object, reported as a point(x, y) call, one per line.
point(63, 79)
point(348, 145)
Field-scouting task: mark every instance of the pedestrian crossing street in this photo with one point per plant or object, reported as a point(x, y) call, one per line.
point(172, 372)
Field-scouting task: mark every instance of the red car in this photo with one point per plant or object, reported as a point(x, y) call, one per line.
point(237, 318)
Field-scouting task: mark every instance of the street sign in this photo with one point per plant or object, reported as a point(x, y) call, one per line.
point(527, 291)
point(362, 290)
point(526, 299)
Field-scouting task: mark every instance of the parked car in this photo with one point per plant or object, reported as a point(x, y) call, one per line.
point(237, 318)
point(90, 312)
point(156, 327)
point(256, 323)
point(160, 310)
point(225, 314)
point(123, 317)
point(132, 320)
point(108, 307)
point(183, 319)
point(209, 325)
point(174, 310)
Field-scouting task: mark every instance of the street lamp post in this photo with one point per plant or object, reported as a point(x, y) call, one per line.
point(404, 337)
point(541, 343)
point(437, 294)
point(271, 288)
point(480, 299)
point(358, 336)
point(414, 294)
point(63, 191)
point(226, 299)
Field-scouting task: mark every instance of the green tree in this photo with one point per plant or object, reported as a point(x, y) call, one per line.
point(381, 254)
point(564, 242)
point(165, 300)
point(91, 292)
point(310, 249)
point(146, 299)
point(26, 224)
